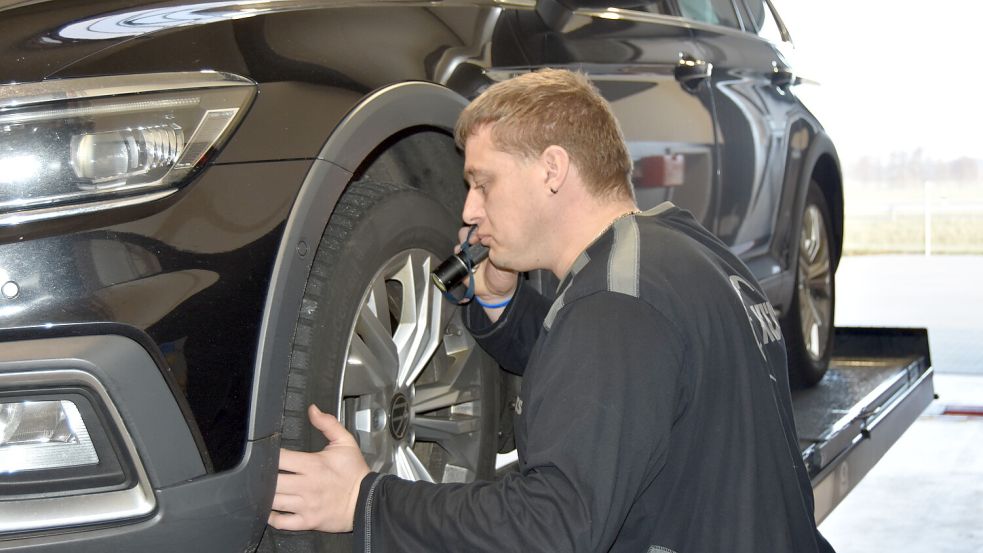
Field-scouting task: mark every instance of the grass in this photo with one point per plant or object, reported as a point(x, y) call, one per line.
point(891, 218)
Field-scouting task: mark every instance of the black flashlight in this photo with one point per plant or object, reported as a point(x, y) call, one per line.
point(452, 271)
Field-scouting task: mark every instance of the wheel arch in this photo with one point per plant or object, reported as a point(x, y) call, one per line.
point(826, 173)
point(822, 165)
point(810, 154)
point(377, 125)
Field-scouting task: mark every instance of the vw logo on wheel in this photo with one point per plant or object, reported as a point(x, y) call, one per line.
point(399, 416)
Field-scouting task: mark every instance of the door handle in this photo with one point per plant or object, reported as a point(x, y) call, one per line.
point(691, 71)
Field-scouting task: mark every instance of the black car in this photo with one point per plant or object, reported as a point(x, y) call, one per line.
point(215, 213)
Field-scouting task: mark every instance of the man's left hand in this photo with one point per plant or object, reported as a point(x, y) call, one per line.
point(318, 491)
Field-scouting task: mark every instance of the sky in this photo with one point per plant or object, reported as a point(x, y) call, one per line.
point(895, 76)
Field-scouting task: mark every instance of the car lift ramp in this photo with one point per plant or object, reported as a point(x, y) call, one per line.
point(878, 383)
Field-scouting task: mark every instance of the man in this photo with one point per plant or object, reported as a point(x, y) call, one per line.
point(654, 414)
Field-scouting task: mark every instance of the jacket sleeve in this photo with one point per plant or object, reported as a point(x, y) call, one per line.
point(598, 413)
point(510, 339)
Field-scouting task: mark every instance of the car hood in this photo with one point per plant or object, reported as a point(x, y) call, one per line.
point(42, 37)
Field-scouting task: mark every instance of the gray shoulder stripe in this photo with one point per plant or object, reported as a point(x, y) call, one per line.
point(661, 208)
point(554, 309)
point(623, 263)
point(578, 264)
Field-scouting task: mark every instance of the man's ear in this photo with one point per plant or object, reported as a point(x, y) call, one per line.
point(556, 162)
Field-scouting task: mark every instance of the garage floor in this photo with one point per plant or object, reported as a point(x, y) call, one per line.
point(926, 494)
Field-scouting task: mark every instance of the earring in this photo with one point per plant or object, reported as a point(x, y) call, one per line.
point(553, 190)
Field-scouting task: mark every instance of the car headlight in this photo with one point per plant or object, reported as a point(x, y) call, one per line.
point(75, 145)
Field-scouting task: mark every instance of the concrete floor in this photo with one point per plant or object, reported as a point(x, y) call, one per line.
point(926, 493)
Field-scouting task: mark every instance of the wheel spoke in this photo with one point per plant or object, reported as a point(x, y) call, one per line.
point(816, 317)
point(432, 397)
point(419, 331)
point(444, 429)
point(383, 461)
point(812, 326)
point(818, 271)
point(372, 360)
point(378, 305)
point(377, 337)
point(814, 343)
point(811, 236)
point(457, 385)
point(408, 465)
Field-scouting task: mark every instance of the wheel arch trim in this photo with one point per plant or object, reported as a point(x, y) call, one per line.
point(378, 116)
point(820, 151)
point(820, 158)
point(830, 180)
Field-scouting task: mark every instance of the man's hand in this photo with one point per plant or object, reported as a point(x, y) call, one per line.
point(318, 491)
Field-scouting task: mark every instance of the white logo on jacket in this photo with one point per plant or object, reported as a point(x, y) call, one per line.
point(760, 315)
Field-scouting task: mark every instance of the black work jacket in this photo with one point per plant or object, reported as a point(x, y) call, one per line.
point(654, 415)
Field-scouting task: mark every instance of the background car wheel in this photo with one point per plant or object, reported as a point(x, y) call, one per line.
point(376, 344)
point(808, 325)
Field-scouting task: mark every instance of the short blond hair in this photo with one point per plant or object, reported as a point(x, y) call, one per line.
point(533, 111)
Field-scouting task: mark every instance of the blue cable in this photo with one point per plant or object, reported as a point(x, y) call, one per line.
point(469, 293)
point(492, 305)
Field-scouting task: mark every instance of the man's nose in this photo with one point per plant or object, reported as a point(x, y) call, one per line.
point(474, 209)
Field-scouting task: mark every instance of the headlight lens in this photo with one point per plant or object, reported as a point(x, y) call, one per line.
point(109, 158)
point(91, 144)
point(37, 435)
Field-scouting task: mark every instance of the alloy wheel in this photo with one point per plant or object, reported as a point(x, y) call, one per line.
point(411, 381)
point(815, 285)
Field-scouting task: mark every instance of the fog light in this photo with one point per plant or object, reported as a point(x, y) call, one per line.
point(37, 435)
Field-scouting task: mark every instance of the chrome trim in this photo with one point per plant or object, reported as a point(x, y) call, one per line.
point(121, 107)
point(26, 94)
point(664, 19)
point(21, 217)
point(635, 15)
point(75, 510)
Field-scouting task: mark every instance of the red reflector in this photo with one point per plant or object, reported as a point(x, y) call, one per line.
point(657, 171)
point(964, 410)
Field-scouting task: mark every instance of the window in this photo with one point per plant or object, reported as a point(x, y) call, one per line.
point(658, 6)
point(763, 20)
point(714, 12)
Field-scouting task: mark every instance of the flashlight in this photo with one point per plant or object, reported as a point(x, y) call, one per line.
point(452, 271)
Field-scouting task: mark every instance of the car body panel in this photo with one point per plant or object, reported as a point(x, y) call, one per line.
point(633, 63)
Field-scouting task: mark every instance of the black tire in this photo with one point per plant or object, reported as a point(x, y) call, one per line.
point(808, 324)
point(375, 228)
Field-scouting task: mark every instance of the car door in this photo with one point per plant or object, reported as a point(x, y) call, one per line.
point(750, 81)
point(638, 60)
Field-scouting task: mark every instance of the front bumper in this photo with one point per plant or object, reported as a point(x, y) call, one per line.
point(170, 503)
